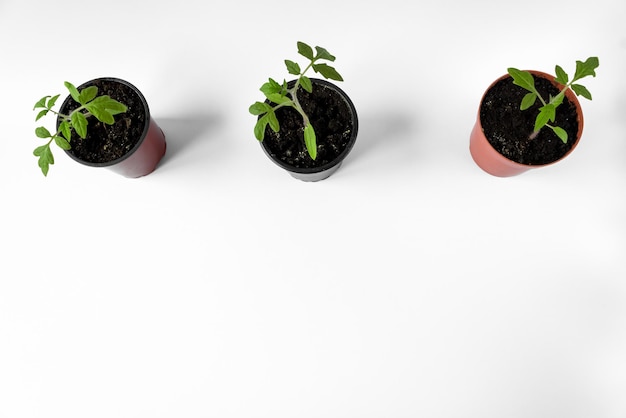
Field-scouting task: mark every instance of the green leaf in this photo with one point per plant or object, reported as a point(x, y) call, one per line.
point(40, 150)
point(528, 101)
point(53, 101)
point(44, 165)
point(109, 105)
point(278, 98)
point(99, 111)
point(560, 132)
point(523, 79)
point(73, 91)
point(558, 100)
point(327, 71)
point(41, 102)
point(273, 121)
point(306, 84)
point(323, 54)
point(45, 158)
point(66, 130)
point(88, 94)
point(258, 108)
point(584, 69)
point(310, 141)
point(292, 67)
point(79, 122)
point(271, 87)
point(305, 50)
point(42, 132)
point(115, 108)
point(41, 114)
point(259, 128)
point(581, 91)
point(546, 114)
point(561, 75)
point(62, 143)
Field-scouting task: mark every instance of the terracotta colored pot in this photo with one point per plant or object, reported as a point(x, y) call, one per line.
point(143, 158)
point(494, 163)
point(323, 171)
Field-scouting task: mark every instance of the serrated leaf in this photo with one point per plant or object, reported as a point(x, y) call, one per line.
point(292, 67)
point(73, 91)
point(278, 98)
point(107, 104)
point(561, 133)
point(62, 143)
point(310, 141)
point(106, 117)
point(306, 84)
point(558, 100)
point(39, 150)
point(305, 50)
point(546, 114)
point(327, 71)
point(561, 75)
point(587, 68)
point(259, 128)
point(41, 102)
point(44, 166)
point(66, 130)
point(258, 108)
point(41, 114)
point(88, 94)
point(115, 108)
point(581, 91)
point(42, 132)
point(79, 123)
point(523, 79)
point(53, 101)
point(273, 121)
point(45, 158)
point(270, 87)
point(528, 101)
point(323, 54)
point(100, 112)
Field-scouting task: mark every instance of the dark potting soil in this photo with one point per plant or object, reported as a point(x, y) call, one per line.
point(508, 128)
point(104, 142)
point(331, 118)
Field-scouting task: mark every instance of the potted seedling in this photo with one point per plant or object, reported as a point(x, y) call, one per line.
point(102, 123)
point(529, 119)
point(307, 126)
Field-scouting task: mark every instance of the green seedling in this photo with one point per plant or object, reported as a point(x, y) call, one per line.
point(547, 112)
point(102, 108)
point(279, 95)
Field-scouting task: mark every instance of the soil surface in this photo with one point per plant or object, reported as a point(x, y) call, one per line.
point(508, 128)
point(331, 118)
point(105, 143)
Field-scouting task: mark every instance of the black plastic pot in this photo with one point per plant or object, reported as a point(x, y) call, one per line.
point(149, 141)
point(327, 168)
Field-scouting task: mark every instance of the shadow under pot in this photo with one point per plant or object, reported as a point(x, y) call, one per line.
point(501, 142)
point(333, 116)
point(132, 146)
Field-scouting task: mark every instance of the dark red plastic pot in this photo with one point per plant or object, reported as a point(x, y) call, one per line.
point(150, 145)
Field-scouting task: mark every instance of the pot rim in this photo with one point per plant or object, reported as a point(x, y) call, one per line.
point(144, 133)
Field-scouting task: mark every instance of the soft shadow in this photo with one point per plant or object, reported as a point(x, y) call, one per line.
point(186, 132)
point(383, 131)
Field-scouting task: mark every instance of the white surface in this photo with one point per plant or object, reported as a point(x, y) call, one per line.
point(409, 284)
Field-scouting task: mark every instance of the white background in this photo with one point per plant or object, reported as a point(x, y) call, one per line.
point(409, 284)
